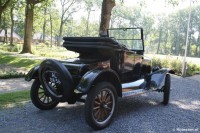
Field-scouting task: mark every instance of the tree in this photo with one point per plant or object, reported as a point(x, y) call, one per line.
point(12, 21)
point(54, 22)
point(107, 6)
point(3, 5)
point(30, 4)
point(12, 24)
point(68, 8)
point(5, 24)
point(44, 24)
point(89, 4)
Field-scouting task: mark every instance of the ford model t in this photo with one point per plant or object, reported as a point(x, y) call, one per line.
point(107, 68)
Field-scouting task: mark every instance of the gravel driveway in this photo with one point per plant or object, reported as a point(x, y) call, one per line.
point(137, 114)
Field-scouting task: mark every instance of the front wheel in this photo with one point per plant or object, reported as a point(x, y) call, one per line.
point(100, 106)
point(166, 89)
point(40, 99)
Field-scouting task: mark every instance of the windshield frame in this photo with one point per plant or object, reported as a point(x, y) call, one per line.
point(125, 29)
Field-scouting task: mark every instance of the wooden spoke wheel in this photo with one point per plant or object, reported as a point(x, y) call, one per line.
point(51, 80)
point(101, 105)
point(39, 97)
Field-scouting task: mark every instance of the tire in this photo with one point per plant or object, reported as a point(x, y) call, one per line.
point(40, 99)
point(101, 105)
point(56, 80)
point(166, 90)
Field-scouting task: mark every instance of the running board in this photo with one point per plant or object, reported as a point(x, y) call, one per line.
point(134, 88)
point(134, 92)
point(133, 84)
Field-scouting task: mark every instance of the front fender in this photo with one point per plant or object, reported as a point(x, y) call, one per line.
point(157, 78)
point(98, 75)
point(32, 74)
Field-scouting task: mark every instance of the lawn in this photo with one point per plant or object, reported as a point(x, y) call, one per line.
point(9, 100)
point(41, 49)
point(14, 67)
point(18, 61)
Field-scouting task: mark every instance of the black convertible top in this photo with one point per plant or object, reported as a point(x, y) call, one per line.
point(95, 46)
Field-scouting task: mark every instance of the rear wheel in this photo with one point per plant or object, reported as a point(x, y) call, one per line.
point(166, 89)
point(56, 80)
point(40, 99)
point(100, 106)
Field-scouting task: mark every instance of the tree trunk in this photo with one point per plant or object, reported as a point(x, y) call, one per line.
point(12, 25)
point(60, 33)
point(166, 40)
point(3, 6)
point(159, 41)
point(87, 26)
point(6, 36)
point(51, 28)
point(44, 25)
point(28, 28)
point(107, 6)
point(189, 44)
point(176, 47)
point(0, 19)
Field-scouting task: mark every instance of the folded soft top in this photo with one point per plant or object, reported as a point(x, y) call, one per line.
point(94, 46)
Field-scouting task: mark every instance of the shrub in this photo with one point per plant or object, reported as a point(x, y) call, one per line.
point(176, 65)
point(11, 74)
point(156, 62)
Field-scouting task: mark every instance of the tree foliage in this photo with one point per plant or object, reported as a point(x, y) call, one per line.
point(163, 34)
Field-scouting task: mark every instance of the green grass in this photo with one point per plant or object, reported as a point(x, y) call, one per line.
point(13, 99)
point(18, 62)
point(53, 52)
point(41, 50)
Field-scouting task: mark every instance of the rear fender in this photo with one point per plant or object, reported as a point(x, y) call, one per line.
point(32, 74)
point(98, 75)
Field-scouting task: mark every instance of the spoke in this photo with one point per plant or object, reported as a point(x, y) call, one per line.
point(41, 97)
point(99, 115)
point(54, 86)
point(101, 95)
point(96, 108)
point(108, 108)
point(96, 113)
point(42, 92)
point(108, 99)
point(105, 111)
point(41, 88)
point(109, 102)
point(44, 99)
point(99, 98)
point(48, 100)
point(98, 103)
point(102, 114)
point(105, 96)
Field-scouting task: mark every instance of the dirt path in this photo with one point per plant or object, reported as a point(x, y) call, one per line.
point(11, 85)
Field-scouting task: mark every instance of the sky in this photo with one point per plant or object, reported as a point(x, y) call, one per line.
point(159, 6)
point(152, 6)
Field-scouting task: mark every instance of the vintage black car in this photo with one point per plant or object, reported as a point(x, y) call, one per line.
point(107, 67)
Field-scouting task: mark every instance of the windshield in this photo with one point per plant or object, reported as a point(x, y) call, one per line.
point(130, 37)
